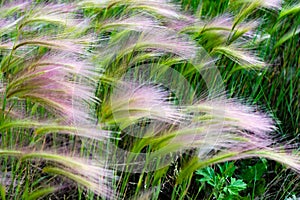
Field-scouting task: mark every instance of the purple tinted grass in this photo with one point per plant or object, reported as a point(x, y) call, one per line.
point(134, 102)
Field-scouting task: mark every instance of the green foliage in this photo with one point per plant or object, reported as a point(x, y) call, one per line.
point(254, 176)
point(223, 185)
point(74, 98)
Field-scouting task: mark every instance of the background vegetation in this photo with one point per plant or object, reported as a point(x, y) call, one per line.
point(126, 99)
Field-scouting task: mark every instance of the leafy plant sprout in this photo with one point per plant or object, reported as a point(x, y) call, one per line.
point(97, 95)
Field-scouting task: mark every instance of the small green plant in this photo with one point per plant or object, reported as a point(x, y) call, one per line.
point(221, 185)
point(254, 177)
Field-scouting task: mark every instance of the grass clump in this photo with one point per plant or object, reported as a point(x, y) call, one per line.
point(120, 99)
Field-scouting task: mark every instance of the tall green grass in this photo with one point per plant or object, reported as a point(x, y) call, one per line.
point(128, 99)
point(276, 88)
